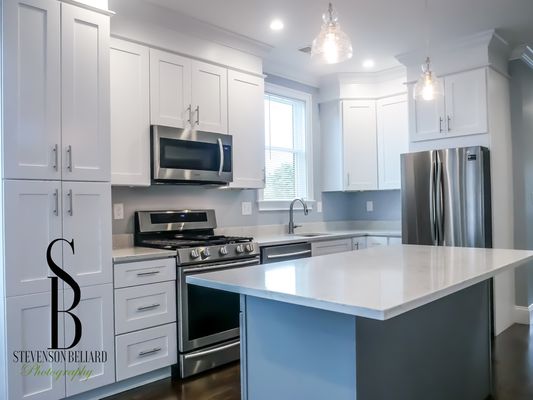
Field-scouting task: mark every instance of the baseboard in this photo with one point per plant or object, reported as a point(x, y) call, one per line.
point(522, 315)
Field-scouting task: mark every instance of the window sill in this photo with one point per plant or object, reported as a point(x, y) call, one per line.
point(282, 205)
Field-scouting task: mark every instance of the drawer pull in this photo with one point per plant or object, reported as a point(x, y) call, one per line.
point(148, 273)
point(149, 352)
point(146, 308)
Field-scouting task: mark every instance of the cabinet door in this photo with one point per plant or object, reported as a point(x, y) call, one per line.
point(210, 97)
point(29, 328)
point(246, 120)
point(170, 89)
point(359, 243)
point(393, 139)
point(87, 220)
point(331, 247)
point(375, 241)
point(426, 118)
point(85, 89)
point(360, 145)
point(33, 221)
point(95, 312)
point(466, 103)
point(32, 125)
point(130, 114)
point(394, 240)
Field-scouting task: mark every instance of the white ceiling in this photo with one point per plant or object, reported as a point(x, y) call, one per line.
point(379, 29)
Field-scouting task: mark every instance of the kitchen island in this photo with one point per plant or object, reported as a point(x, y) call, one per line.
point(402, 322)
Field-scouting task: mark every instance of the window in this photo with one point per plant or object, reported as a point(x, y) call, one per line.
point(287, 147)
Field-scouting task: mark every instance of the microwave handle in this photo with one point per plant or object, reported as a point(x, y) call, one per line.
point(221, 150)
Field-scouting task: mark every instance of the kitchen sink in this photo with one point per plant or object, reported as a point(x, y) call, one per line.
point(311, 234)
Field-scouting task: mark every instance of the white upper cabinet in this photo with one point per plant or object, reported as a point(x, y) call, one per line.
point(359, 144)
point(210, 97)
point(95, 312)
point(170, 89)
point(130, 113)
point(85, 94)
point(87, 220)
point(32, 126)
point(466, 103)
point(461, 111)
point(246, 119)
point(33, 221)
point(393, 139)
point(29, 328)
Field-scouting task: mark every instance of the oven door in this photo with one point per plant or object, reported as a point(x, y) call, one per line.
point(207, 316)
point(185, 155)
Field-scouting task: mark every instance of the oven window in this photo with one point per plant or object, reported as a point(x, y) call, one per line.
point(186, 154)
point(211, 311)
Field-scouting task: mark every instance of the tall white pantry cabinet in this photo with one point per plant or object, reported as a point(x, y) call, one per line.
point(55, 183)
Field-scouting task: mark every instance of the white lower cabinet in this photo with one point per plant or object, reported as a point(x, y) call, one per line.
point(394, 241)
point(331, 247)
point(95, 312)
point(146, 350)
point(151, 305)
point(359, 243)
point(29, 328)
point(144, 272)
point(374, 241)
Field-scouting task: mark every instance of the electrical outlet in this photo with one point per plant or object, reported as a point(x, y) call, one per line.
point(246, 208)
point(369, 206)
point(318, 206)
point(118, 211)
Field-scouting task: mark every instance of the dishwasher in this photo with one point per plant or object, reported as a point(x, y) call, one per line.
point(285, 252)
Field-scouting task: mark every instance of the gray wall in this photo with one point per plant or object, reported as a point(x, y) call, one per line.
point(227, 203)
point(522, 138)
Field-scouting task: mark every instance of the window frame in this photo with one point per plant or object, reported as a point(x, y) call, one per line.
point(307, 98)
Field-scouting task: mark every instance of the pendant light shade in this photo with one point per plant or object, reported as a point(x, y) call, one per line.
point(332, 45)
point(428, 87)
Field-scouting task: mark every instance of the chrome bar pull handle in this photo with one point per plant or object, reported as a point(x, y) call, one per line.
point(449, 126)
point(69, 155)
point(197, 110)
point(150, 307)
point(56, 201)
point(151, 273)
point(441, 120)
point(56, 157)
point(189, 110)
point(71, 203)
point(221, 151)
point(149, 352)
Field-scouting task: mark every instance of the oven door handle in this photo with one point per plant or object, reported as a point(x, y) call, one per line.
point(210, 351)
point(221, 150)
point(255, 261)
point(285, 255)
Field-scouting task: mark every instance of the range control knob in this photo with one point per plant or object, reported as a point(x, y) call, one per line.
point(250, 247)
point(194, 253)
point(205, 253)
point(223, 251)
point(239, 249)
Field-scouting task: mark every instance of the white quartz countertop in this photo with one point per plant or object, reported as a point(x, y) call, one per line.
point(378, 283)
point(130, 254)
point(285, 238)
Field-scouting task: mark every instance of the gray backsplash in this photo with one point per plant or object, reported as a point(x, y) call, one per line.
point(227, 204)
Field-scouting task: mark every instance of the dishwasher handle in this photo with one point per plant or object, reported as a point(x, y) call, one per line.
point(285, 252)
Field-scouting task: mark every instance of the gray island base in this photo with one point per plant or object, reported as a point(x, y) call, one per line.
point(396, 323)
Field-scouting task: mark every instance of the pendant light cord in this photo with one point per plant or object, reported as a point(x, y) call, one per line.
point(426, 25)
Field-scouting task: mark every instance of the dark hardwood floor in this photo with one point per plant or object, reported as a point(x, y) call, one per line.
point(512, 368)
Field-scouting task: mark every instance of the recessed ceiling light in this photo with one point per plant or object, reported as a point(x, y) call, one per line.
point(368, 63)
point(276, 25)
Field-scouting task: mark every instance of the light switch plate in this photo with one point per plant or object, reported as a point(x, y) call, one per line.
point(369, 206)
point(318, 206)
point(246, 208)
point(118, 211)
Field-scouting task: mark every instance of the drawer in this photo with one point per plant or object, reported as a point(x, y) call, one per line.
point(143, 272)
point(331, 247)
point(144, 306)
point(359, 243)
point(146, 350)
point(373, 241)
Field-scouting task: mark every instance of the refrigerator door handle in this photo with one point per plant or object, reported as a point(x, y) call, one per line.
point(432, 211)
point(439, 202)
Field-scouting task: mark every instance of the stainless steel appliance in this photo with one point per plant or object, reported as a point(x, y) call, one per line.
point(189, 156)
point(446, 197)
point(271, 254)
point(208, 319)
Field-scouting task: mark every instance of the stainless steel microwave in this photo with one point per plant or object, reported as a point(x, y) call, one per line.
point(188, 156)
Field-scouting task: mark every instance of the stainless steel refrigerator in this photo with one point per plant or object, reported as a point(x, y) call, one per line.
point(446, 197)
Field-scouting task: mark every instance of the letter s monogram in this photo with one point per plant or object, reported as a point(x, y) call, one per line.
point(77, 296)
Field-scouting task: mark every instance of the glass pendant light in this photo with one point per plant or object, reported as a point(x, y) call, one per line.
point(428, 87)
point(331, 45)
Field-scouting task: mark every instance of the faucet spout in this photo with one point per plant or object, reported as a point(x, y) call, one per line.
point(292, 226)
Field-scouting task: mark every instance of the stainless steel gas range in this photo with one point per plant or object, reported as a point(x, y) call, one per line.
point(208, 319)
